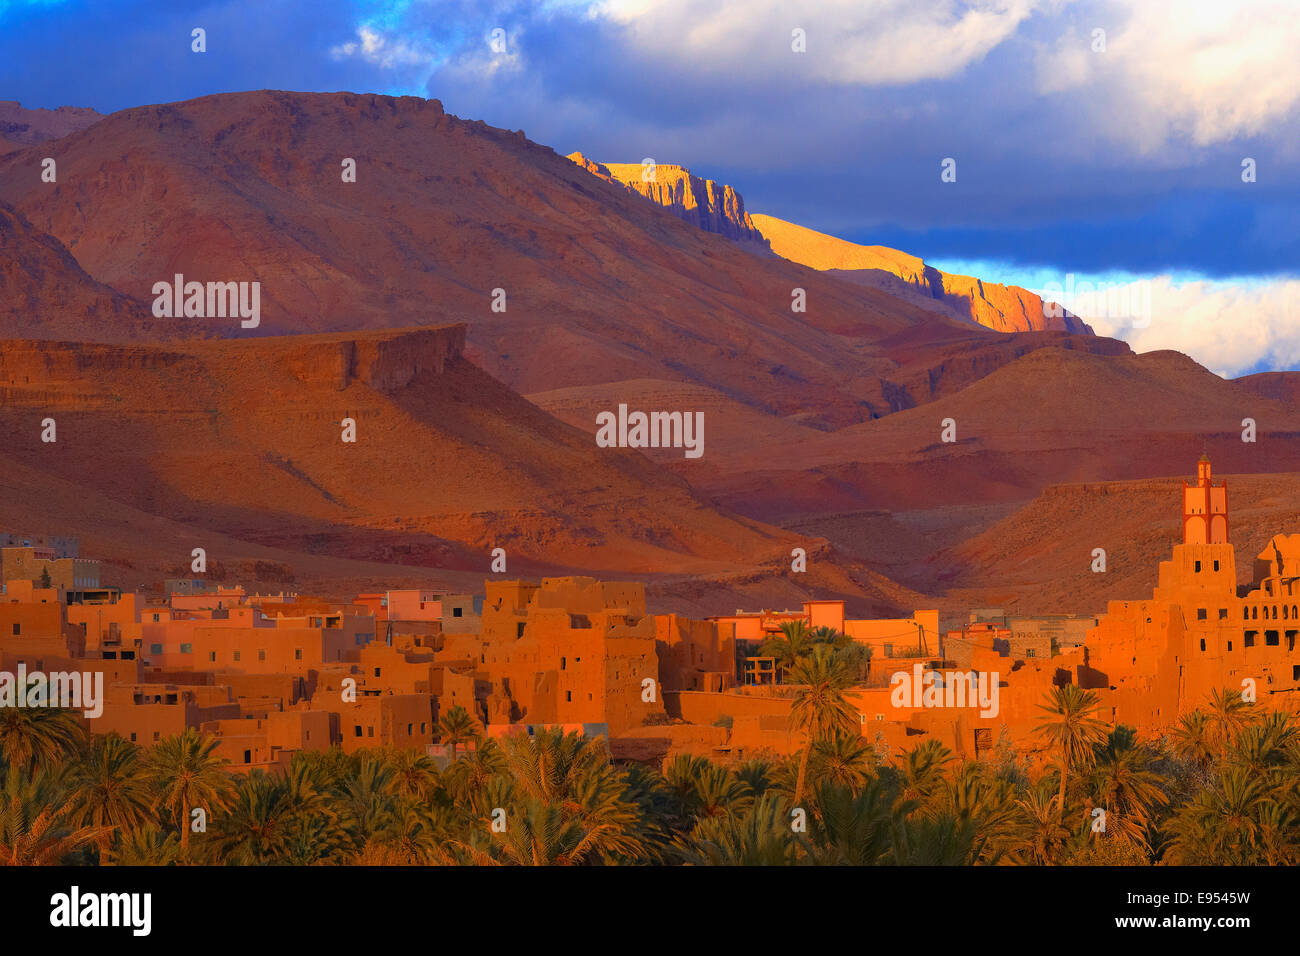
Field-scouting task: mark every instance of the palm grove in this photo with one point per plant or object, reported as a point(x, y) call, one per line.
point(1219, 789)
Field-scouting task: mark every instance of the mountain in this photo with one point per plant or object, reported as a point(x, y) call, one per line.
point(1000, 307)
point(718, 208)
point(46, 293)
point(600, 285)
point(244, 438)
point(21, 127)
point(703, 203)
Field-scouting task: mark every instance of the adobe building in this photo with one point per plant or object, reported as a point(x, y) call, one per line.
point(33, 563)
point(571, 650)
point(1158, 658)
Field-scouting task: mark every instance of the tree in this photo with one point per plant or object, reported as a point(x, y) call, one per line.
point(45, 576)
point(1073, 729)
point(793, 643)
point(456, 727)
point(1228, 715)
point(36, 737)
point(186, 774)
point(34, 831)
point(109, 788)
point(819, 708)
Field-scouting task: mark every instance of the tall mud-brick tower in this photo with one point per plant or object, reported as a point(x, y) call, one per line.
point(1205, 508)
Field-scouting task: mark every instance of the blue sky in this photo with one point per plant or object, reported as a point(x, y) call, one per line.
point(1113, 156)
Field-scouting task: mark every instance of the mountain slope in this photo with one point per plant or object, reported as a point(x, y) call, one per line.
point(998, 307)
point(244, 438)
point(600, 286)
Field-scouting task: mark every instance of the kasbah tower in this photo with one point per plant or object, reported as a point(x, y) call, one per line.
point(1157, 659)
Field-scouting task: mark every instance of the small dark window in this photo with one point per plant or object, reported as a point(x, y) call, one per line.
point(1202, 643)
point(1250, 638)
point(1271, 638)
point(519, 632)
point(358, 730)
point(1201, 614)
point(1223, 614)
point(456, 612)
point(18, 628)
point(1216, 565)
point(1198, 567)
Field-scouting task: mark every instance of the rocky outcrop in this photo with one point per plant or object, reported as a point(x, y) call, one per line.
point(705, 204)
point(21, 127)
point(385, 361)
point(1002, 308)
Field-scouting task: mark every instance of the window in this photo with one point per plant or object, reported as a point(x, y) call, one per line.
point(410, 729)
point(519, 629)
point(1200, 614)
point(1223, 614)
point(1202, 643)
point(370, 731)
point(1198, 567)
point(423, 726)
point(155, 735)
point(563, 662)
point(248, 756)
point(297, 653)
point(1271, 638)
point(236, 655)
point(1250, 638)
point(187, 648)
point(18, 628)
point(212, 656)
point(156, 618)
point(358, 730)
point(132, 738)
point(376, 671)
point(261, 653)
point(155, 648)
point(456, 612)
point(568, 696)
point(1216, 565)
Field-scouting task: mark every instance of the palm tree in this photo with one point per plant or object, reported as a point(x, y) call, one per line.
point(414, 774)
point(819, 709)
point(1192, 739)
point(761, 837)
point(456, 727)
point(35, 737)
point(1228, 715)
point(844, 759)
point(1127, 788)
point(146, 846)
point(33, 828)
point(852, 829)
point(255, 828)
point(1073, 729)
point(1041, 833)
point(794, 642)
point(109, 788)
point(565, 771)
point(187, 774)
point(921, 774)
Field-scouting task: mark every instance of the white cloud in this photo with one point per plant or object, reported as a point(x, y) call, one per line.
point(386, 49)
point(1227, 325)
point(871, 42)
point(1175, 72)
